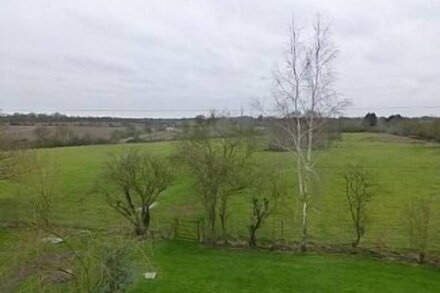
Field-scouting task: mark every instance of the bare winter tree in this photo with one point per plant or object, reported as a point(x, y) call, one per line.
point(140, 180)
point(304, 97)
point(218, 153)
point(260, 212)
point(359, 195)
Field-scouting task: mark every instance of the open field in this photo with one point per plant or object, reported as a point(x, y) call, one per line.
point(401, 169)
point(219, 146)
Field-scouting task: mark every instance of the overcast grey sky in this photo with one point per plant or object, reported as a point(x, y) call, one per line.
point(190, 55)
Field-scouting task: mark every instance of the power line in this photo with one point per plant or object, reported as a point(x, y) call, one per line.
point(117, 110)
point(199, 110)
point(394, 107)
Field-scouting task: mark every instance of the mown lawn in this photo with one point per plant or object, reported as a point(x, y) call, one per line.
point(188, 267)
point(184, 267)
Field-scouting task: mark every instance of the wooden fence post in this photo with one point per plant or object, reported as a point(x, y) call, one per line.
point(282, 229)
point(176, 228)
point(198, 230)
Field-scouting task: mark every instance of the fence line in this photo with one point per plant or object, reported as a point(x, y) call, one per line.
point(189, 229)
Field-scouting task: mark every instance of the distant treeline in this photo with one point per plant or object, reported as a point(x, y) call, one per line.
point(56, 130)
point(427, 128)
point(52, 130)
point(63, 136)
point(55, 119)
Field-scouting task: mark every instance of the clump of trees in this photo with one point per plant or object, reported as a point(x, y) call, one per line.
point(370, 120)
point(427, 128)
point(358, 191)
point(219, 155)
point(139, 180)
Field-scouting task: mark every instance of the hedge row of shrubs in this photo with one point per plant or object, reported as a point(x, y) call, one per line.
point(421, 128)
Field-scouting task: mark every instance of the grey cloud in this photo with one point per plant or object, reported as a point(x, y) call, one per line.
point(85, 64)
point(207, 54)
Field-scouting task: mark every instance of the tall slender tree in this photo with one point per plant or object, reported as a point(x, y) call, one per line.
point(304, 97)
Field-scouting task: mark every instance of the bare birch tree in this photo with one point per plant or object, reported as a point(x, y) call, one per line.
point(304, 97)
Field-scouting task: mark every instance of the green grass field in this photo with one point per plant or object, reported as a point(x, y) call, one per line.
point(400, 168)
point(183, 267)
point(187, 267)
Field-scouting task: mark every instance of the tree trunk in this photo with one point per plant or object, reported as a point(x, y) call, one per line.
point(358, 238)
point(146, 218)
point(302, 187)
point(252, 237)
point(358, 226)
point(304, 227)
point(223, 224)
point(422, 257)
point(222, 215)
point(141, 229)
point(212, 220)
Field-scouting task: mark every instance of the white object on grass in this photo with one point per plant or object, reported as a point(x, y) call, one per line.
point(151, 206)
point(150, 275)
point(52, 240)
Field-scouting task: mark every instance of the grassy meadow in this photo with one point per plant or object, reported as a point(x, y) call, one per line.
point(400, 169)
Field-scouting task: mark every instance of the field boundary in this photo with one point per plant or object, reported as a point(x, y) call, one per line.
point(188, 229)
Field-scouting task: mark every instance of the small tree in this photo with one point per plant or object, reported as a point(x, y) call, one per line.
point(218, 153)
point(359, 195)
point(418, 216)
point(260, 212)
point(140, 180)
point(238, 174)
point(267, 189)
